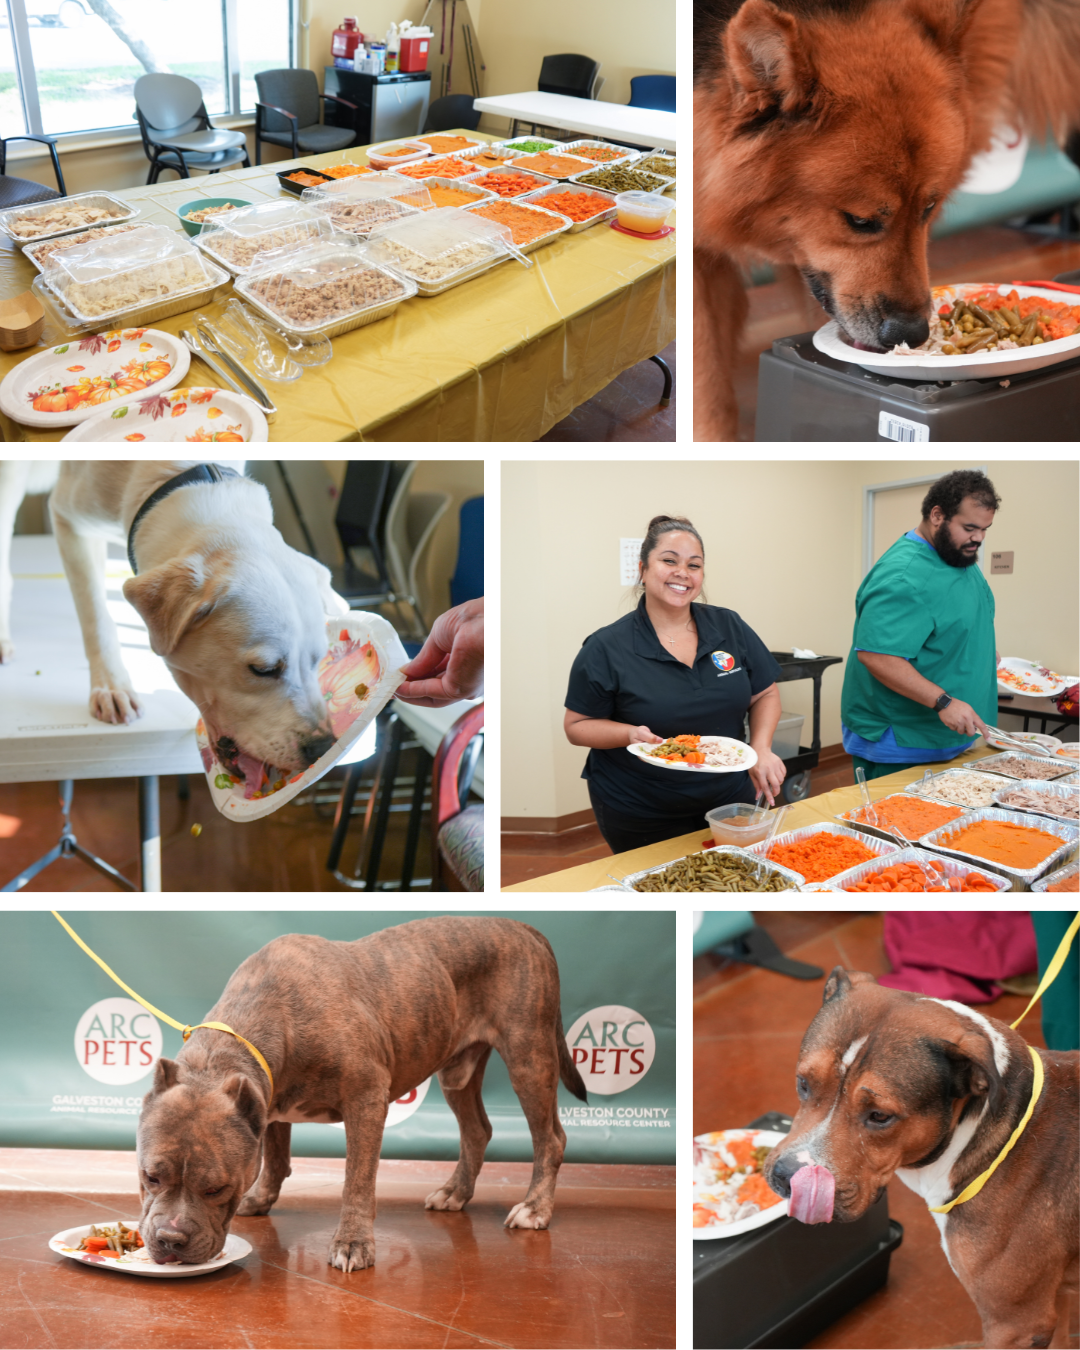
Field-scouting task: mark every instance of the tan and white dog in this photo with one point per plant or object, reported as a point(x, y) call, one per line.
point(236, 614)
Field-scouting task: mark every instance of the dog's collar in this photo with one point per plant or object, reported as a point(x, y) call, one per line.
point(201, 473)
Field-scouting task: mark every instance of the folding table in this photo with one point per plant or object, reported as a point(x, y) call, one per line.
point(612, 121)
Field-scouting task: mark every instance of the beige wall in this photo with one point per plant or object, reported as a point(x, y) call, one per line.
point(783, 546)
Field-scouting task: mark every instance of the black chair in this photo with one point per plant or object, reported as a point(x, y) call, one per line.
point(288, 114)
point(24, 191)
point(176, 129)
point(364, 578)
point(568, 74)
point(455, 110)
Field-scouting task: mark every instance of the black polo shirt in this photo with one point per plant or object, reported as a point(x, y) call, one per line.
point(623, 673)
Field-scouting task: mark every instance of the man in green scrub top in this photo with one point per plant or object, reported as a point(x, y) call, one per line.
point(921, 679)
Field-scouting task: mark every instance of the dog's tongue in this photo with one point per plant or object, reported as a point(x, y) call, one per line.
point(812, 1190)
point(253, 770)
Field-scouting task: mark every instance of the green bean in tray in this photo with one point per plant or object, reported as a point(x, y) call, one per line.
point(714, 872)
point(664, 164)
point(615, 179)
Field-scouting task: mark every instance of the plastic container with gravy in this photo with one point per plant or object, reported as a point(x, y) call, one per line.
point(324, 291)
point(441, 248)
point(404, 152)
point(731, 824)
point(239, 239)
point(66, 215)
point(357, 205)
point(135, 278)
point(643, 212)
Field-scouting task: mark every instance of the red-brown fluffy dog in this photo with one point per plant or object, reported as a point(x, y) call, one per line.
point(827, 133)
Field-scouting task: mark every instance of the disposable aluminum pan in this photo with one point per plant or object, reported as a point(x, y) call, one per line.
point(797, 880)
point(939, 785)
point(429, 288)
point(357, 319)
point(1021, 877)
point(848, 817)
point(461, 178)
point(141, 316)
point(542, 180)
point(658, 183)
point(499, 151)
point(464, 185)
point(559, 225)
point(576, 226)
point(33, 251)
point(952, 867)
point(656, 154)
point(1062, 874)
point(880, 847)
point(1062, 791)
point(560, 151)
point(104, 199)
point(626, 154)
point(989, 765)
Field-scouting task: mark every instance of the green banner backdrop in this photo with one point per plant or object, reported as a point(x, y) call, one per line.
point(78, 1053)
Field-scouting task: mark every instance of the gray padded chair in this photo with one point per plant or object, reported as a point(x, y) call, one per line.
point(287, 114)
point(24, 191)
point(177, 132)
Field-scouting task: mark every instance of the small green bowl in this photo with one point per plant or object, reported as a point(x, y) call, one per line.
point(194, 227)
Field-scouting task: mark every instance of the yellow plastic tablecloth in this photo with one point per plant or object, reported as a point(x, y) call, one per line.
point(825, 807)
point(502, 357)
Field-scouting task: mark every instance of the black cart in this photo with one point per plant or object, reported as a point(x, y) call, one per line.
point(797, 782)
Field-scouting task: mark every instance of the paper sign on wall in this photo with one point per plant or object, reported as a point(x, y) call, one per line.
point(629, 552)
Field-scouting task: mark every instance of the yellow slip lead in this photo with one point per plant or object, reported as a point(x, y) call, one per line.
point(1052, 972)
point(164, 1017)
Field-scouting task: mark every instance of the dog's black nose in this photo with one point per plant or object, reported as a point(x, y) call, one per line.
point(913, 329)
point(315, 747)
point(781, 1172)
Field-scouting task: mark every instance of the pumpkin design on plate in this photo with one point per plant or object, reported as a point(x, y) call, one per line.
point(90, 391)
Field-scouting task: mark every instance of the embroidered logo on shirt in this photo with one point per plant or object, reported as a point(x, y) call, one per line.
point(723, 661)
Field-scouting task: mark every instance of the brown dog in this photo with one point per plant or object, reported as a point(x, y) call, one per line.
point(929, 1091)
point(347, 1028)
point(827, 134)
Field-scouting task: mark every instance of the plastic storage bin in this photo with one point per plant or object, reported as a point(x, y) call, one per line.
point(788, 735)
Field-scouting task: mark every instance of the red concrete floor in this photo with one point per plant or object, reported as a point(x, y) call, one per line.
point(748, 1025)
point(602, 1275)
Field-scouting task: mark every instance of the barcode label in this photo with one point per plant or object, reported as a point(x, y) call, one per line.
point(895, 428)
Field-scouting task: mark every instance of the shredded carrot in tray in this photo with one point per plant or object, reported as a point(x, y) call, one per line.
point(444, 196)
point(1069, 884)
point(308, 179)
point(821, 855)
point(910, 877)
point(344, 170)
point(1000, 841)
point(910, 816)
point(525, 225)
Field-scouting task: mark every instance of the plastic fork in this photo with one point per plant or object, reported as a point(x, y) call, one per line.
point(766, 843)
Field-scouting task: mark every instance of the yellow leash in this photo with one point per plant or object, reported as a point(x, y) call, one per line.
point(1052, 972)
point(163, 1017)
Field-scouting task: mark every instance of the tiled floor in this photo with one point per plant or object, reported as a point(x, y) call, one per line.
point(748, 1025)
point(627, 410)
point(601, 1276)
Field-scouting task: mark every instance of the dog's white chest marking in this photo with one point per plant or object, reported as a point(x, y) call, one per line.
point(932, 1182)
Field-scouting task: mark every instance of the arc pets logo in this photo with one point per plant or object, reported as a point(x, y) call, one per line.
point(117, 1041)
point(613, 1048)
point(723, 661)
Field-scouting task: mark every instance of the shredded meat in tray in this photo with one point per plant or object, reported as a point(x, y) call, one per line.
point(338, 296)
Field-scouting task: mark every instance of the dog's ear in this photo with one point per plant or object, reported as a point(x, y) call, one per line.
point(945, 21)
point(250, 1107)
point(166, 1075)
point(973, 1069)
point(332, 603)
point(841, 982)
point(173, 598)
point(766, 56)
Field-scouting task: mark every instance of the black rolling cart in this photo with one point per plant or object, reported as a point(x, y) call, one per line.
point(797, 782)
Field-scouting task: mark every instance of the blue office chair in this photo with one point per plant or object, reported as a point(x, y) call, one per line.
point(733, 934)
point(653, 91)
point(467, 583)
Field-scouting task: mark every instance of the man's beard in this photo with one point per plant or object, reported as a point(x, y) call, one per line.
point(947, 550)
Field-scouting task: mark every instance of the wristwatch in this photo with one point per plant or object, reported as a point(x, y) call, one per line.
point(943, 702)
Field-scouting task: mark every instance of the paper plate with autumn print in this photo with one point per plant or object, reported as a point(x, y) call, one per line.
point(358, 676)
point(72, 382)
point(189, 414)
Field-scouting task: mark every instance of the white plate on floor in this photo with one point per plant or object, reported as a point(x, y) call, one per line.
point(64, 1243)
point(92, 361)
point(749, 758)
point(764, 1138)
point(189, 414)
point(984, 366)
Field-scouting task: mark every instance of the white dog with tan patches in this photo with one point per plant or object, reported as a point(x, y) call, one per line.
point(236, 614)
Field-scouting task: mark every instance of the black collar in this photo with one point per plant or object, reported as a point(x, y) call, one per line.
point(201, 473)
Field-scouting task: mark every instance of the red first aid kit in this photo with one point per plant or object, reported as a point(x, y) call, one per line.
point(415, 46)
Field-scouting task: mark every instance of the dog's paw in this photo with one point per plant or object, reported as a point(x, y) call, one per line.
point(7, 651)
point(253, 1207)
point(349, 1256)
point(444, 1198)
point(524, 1216)
point(119, 705)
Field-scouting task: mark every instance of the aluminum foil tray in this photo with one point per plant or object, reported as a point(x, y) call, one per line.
point(939, 785)
point(559, 224)
point(797, 881)
point(627, 157)
point(1021, 877)
point(542, 180)
point(1054, 789)
point(467, 185)
point(952, 868)
point(987, 765)
point(659, 183)
point(127, 211)
point(576, 226)
point(143, 316)
point(848, 817)
point(32, 250)
point(881, 847)
point(360, 319)
point(1044, 883)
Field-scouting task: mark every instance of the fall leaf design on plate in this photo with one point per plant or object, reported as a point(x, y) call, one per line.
point(157, 405)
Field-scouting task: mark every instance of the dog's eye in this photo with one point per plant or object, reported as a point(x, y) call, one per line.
point(268, 672)
point(802, 1088)
point(214, 1192)
point(151, 1181)
point(863, 224)
point(930, 209)
point(879, 1119)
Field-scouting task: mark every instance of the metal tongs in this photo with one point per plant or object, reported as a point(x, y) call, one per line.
point(1026, 747)
point(240, 382)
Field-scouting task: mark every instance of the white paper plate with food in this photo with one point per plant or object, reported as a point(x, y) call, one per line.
point(358, 676)
point(1018, 676)
point(697, 754)
point(82, 1244)
point(731, 1195)
point(74, 381)
point(929, 362)
point(189, 414)
point(1034, 737)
